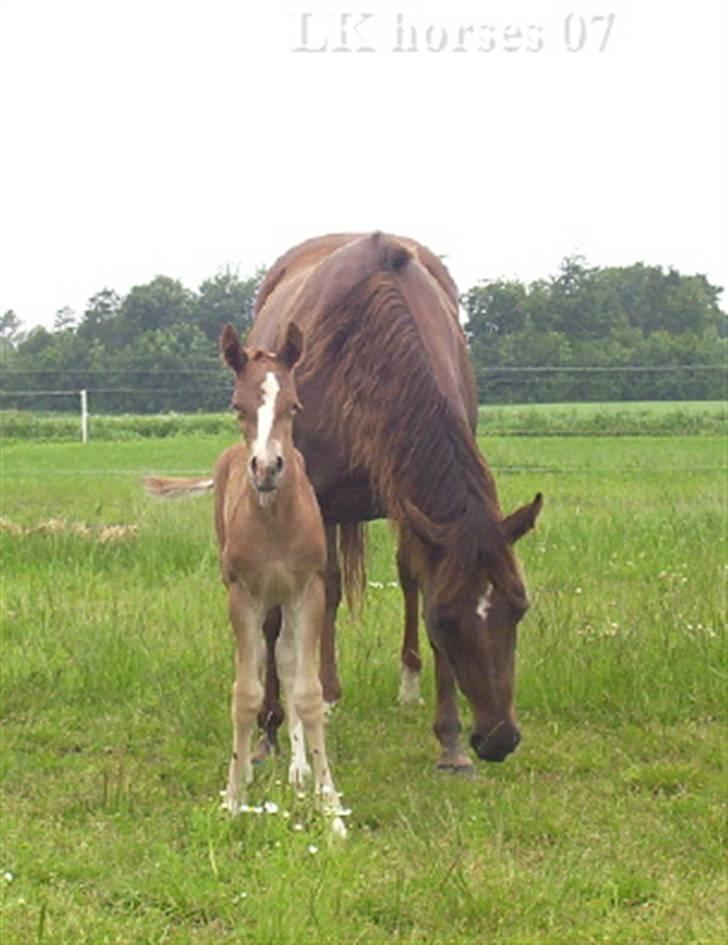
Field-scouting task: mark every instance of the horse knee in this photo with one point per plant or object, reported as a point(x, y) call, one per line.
point(247, 701)
point(308, 703)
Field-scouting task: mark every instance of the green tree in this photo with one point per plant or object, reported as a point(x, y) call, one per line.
point(100, 317)
point(161, 303)
point(226, 298)
point(11, 330)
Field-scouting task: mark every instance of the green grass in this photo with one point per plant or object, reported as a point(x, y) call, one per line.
point(659, 418)
point(605, 826)
point(662, 418)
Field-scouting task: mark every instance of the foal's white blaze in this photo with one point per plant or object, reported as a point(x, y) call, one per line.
point(484, 603)
point(266, 412)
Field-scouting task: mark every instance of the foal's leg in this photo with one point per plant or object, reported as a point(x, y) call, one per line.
point(447, 726)
point(271, 715)
point(308, 703)
point(247, 697)
point(299, 768)
point(411, 664)
point(329, 673)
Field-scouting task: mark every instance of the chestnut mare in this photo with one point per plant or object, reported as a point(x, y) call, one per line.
point(387, 429)
point(272, 555)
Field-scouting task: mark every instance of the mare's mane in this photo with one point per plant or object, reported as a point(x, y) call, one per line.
point(397, 425)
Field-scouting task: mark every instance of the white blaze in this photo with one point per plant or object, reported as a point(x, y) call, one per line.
point(484, 603)
point(266, 412)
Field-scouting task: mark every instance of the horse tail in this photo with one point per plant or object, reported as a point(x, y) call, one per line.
point(167, 487)
point(352, 550)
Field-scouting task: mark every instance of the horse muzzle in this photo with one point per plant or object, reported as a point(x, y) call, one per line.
point(496, 746)
point(265, 476)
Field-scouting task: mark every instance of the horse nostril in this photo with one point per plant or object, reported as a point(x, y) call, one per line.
point(279, 463)
point(253, 465)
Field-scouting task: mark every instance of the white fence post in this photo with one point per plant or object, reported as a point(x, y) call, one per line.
point(84, 416)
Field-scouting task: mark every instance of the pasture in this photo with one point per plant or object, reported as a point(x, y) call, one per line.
point(604, 826)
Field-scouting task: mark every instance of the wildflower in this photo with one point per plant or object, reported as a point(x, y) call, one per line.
point(313, 850)
point(270, 807)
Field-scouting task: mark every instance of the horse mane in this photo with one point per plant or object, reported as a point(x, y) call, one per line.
point(399, 428)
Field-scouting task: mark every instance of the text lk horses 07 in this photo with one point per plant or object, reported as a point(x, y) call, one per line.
point(272, 554)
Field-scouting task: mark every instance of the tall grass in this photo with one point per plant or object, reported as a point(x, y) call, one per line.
point(605, 826)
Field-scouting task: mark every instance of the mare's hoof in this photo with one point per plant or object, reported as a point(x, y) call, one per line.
point(458, 764)
point(407, 702)
point(409, 688)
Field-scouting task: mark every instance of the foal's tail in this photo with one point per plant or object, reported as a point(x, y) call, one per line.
point(166, 487)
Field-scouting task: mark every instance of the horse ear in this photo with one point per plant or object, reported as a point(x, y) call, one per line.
point(233, 353)
point(522, 520)
point(292, 348)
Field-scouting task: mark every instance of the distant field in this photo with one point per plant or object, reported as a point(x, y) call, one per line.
point(663, 418)
point(606, 826)
point(659, 418)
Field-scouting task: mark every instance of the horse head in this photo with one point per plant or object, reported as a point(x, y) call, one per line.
point(265, 401)
point(474, 630)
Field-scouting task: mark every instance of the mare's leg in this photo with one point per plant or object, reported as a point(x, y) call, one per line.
point(411, 664)
point(299, 768)
point(329, 673)
point(447, 726)
point(271, 715)
point(247, 697)
point(307, 702)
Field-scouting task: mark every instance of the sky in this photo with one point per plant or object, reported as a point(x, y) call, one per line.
point(179, 137)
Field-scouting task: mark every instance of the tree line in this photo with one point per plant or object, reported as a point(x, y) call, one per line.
point(588, 333)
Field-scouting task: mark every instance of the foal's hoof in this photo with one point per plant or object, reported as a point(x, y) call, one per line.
point(230, 803)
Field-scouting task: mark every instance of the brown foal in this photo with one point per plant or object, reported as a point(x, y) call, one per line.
point(272, 554)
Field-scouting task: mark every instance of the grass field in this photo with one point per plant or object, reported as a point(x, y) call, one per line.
point(659, 418)
point(605, 826)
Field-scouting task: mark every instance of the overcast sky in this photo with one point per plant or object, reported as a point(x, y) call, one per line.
point(179, 136)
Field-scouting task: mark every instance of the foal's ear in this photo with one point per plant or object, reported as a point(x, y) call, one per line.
point(232, 351)
point(522, 520)
point(292, 348)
